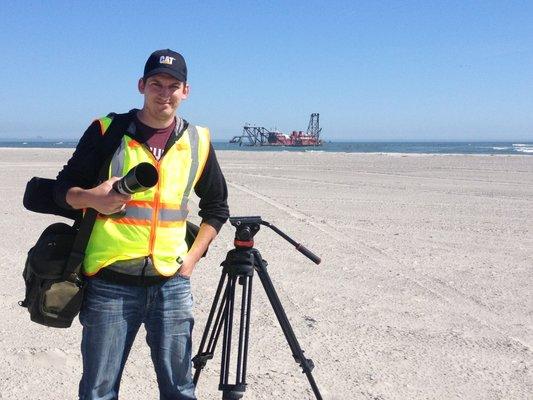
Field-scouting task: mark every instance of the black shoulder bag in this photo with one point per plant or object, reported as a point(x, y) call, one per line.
point(54, 285)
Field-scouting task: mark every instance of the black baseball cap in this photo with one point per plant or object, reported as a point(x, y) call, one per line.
point(166, 62)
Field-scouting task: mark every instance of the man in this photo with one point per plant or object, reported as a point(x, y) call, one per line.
point(137, 262)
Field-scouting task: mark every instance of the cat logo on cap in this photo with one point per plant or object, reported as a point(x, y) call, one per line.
point(166, 60)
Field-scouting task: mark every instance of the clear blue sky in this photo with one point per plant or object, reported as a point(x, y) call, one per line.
point(395, 70)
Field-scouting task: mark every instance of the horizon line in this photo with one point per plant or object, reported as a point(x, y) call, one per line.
point(226, 141)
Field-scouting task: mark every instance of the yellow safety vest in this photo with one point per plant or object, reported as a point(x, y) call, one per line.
point(154, 223)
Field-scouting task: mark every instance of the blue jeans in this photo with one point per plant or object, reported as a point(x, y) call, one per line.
point(111, 316)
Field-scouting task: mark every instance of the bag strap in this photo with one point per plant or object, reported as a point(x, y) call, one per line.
point(107, 148)
point(113, 135)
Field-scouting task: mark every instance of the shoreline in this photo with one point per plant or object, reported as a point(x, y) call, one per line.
point(71, 149)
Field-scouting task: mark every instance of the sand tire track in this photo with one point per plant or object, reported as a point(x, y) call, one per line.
point(482, 313)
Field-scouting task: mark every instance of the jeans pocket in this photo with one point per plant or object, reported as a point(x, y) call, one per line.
point(187, 278)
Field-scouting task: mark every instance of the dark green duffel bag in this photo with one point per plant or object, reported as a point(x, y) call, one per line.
point(53, 293)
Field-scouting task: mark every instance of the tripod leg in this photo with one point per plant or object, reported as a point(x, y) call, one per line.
point(236, 390)
point(226, 338)
point(297, 352)
point(200, 360)
point(246, 307)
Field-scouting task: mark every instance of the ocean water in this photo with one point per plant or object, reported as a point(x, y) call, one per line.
point(525, 148)
point(401, 147)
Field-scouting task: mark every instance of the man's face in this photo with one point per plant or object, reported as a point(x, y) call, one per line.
point(162, 95)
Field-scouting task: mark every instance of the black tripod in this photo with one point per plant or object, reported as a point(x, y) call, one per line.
point(240, 264)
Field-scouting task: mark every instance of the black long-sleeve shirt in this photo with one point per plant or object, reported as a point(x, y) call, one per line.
point(83, 168)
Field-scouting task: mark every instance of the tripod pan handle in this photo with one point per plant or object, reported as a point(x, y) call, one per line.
point(308, 253)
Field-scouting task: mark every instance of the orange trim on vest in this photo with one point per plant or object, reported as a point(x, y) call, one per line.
point(102, 127)
point(133, 143)
point(140, 203)
point(157, 196)
point(129, 221)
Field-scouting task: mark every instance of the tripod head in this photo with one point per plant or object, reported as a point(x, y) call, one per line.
point(247, 227)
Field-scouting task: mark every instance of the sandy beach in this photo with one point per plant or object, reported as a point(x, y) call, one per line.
point(425, 290)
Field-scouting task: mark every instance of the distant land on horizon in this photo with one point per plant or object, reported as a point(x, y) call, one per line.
point(42, 139)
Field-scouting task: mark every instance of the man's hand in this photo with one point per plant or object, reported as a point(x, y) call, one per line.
point(205, 235)
point(103, 198)
point(187, 266)
point(106, 199)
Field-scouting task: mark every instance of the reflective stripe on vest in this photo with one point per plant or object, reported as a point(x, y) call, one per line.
point(153, 222)
point(138, 214)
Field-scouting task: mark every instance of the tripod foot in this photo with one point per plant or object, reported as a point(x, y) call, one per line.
point(232, 392)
